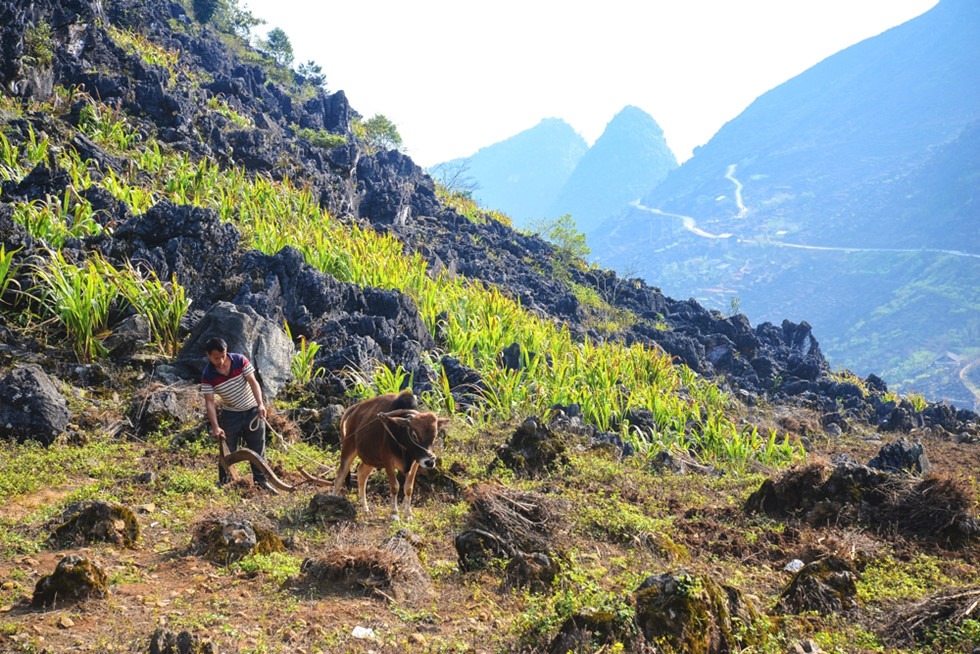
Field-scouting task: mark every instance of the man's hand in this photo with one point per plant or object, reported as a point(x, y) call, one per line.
point(218, 433)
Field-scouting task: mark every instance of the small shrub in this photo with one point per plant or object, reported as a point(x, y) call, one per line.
point(321, 138)
point(38, 45)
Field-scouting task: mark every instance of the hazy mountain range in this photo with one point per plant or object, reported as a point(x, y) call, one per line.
point(549, 170)
point(846, 197)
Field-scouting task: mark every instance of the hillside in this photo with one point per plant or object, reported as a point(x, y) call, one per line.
point(846, 196)
point(621, 471)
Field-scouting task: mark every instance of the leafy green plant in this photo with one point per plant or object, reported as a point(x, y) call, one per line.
point(55, 220)
point(599, 314)
point(321, 138)
point(9, 159)
point(278, 46)
point(222, 107)
point(570, 245)
point(278, 565)
point(579, 589)
point(918, 401)
point(8, 271)
point(38, 45)
point(183, 482)
point(148, 51)
point(960, 637)
point(462, 201)
point(79, 298)
point(106, 126)
point(312, 73)
point(377, 133)
point(162, 304)
point(885, 581)
point(379, 381)
point(37, 149)
point(303, 365)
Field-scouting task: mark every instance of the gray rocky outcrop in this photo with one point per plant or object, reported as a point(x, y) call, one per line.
point(31, 407)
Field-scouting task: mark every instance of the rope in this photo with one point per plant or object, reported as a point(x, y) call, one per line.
point(254, 424)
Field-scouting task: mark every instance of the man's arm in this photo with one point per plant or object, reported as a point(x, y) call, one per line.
point(257, 392)
point(212, 411)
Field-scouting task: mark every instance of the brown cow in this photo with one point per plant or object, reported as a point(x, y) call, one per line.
point(387, 431)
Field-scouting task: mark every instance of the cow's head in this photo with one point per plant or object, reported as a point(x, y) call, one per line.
point(414, 432)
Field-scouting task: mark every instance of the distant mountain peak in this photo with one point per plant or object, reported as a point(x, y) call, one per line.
point(522, 175)
point(629, 159)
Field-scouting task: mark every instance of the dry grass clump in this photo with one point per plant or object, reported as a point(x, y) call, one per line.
point(912, 624)
point(522, 520)
point(936, 507)
point(392, 571)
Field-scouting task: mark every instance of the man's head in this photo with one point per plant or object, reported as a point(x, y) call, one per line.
point(217, 351)
point(215, 344)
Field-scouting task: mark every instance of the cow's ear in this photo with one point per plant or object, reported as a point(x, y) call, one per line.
point(443, 422)
point(395, 420)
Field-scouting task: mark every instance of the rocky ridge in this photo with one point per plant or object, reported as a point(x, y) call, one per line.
point(774, 363)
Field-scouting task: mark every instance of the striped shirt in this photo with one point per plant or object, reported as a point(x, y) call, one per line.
point(232, 389)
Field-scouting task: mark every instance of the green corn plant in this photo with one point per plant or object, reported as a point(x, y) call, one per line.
point(162, 304)
point(149, 52)
point(8, 271)
point(387, 380)
point(78, 170)
point(107, 126)
point(475, 321)
point(151, 159)
point(54, 221)
point(139, 199)
point(378, 381)
point(77, 297)
point(10, 167)
point(303, 364)
point(441, 396)
point(37, 150)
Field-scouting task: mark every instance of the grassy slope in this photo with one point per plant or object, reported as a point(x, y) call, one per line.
point(619, 522)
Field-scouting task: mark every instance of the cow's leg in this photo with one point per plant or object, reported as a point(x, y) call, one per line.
point(409, 488)
point(393, 487)
point(363, 472)
point(346, 460)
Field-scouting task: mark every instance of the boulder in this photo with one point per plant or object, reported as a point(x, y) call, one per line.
point(75, 577)
point(329, 509)
point(31, 407)
point(229, 539)
point(694, 614)
point(264, 343)
point(825, 586)
point(94, 521)
point(164, 641)
point(533, 449)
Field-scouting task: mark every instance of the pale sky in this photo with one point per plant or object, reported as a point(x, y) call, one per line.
point(455, 76)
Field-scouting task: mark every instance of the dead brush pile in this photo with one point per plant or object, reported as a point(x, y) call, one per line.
point(912, 625)
point(392, 571)
point(937, 508)
point(522, 521)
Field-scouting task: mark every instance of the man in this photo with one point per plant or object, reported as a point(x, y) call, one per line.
point(231, 377)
